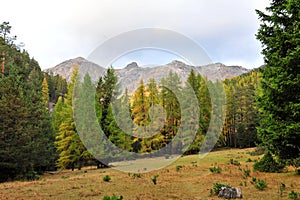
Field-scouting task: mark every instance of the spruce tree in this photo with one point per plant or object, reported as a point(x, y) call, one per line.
point(279, 101)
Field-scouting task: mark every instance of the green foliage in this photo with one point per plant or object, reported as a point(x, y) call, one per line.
point(241, 113)
point(246, 172)
point(31, 176)
point(136, 175)
point(278, 99)
point(26, 137)
point(235, 162)
point(106, 178)
point(69, 146)
point(282, 187)
point(178, 168)
point(268, 164)
point(217, 187)
point(215, 170)
point(260, 184)
point(294, 195)
point(154, 179)
point(253, 180)
point(113, 197)
point(258, 151)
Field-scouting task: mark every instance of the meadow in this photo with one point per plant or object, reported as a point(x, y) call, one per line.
point(188, 178)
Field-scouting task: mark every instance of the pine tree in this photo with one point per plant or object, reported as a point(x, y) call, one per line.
point(279, 100)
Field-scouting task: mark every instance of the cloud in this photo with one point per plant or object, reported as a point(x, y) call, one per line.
point(54, 31)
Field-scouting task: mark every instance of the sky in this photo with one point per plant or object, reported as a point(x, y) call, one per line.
point(57, 30)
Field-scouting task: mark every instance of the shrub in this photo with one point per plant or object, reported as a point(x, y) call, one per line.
point(260, 184)
point(106, 178)
point(217, 187)
point(235, 162)
point(136, 175)
point(293, 195)
point(246, 172)
point(178, 167)
point(253, 180)
point(249, 160)
point(154, 179)
point(113, 197)
point(281, 188)
point(31, 176)
point(258, 151)
point(215, 170)
point(268, 164)
point(64, 177)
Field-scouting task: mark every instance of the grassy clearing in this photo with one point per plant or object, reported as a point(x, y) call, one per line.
point(192, 181)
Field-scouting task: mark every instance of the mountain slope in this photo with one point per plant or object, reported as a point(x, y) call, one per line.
point(131, 75)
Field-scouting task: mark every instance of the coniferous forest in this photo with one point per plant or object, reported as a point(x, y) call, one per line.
point(262, 107)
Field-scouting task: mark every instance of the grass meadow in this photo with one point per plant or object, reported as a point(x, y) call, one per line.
point(187, 178)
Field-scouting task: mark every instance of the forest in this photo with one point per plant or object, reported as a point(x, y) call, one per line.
point(262, 108)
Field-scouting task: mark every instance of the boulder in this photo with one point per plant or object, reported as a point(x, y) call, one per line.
point(230, 193)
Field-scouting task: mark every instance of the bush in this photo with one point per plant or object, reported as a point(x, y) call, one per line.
point(136, 175)
point(154, 179)
point(293, 195)
point(106, 178)
point(246, 172)
point(235, 162)
point(113, 197)
point(260, 184)
point(31, 176)
point(281, 188)
point(178, 167)
point(215, 170)
point(253, 180)
point(217, 187)
point(268, 164)
point(258, 151)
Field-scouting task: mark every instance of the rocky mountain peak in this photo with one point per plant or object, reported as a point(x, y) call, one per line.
point(132, 65)
point(131, 75)
point(177, 63)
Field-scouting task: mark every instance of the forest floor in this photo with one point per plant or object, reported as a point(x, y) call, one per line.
point(193, 180)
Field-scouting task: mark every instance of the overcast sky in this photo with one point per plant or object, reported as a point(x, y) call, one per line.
point(57, 30)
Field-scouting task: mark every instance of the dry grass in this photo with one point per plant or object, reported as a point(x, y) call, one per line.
point(190, 182)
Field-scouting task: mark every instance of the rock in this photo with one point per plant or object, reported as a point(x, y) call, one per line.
point(230, 193)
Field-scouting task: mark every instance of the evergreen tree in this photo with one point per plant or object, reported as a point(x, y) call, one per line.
point(279, 100)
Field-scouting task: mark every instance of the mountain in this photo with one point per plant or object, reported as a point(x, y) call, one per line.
point(65, 69)
point(131, 75)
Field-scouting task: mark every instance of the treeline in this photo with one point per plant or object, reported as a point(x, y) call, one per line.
point(147, 120)
point(26, 137)
point(142, 122)
point(242, 115)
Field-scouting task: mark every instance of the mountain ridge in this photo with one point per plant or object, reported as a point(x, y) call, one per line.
point(130, 75)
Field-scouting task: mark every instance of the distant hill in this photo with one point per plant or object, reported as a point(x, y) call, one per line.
point(131, 75)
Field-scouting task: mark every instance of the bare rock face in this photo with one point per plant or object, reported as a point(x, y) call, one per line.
point(230, 193)
point(66, 68)
point(131, 75)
